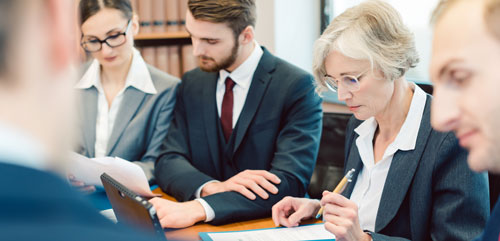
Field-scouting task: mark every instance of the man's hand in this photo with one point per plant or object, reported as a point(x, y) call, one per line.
point(247, 183)
point(178, 215)
point(81, 186)
point(291, 210)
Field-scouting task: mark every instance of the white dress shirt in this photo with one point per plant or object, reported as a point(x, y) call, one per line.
point(242, 77)
point(370, 183)
point(138, 77)
point(17, 147)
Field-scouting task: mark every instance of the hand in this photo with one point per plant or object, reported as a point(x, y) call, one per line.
point(291, 210)
point(81, 186)
point(341, 218)
point(178, 215)
point(247, 183)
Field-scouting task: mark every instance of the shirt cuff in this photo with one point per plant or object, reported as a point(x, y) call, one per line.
point(209, 212)
point(197, 194)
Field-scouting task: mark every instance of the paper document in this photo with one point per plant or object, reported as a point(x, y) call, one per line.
point(306, 232)
point(89, 170)
point(109, 214)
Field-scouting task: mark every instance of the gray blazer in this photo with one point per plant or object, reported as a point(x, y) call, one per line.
point(430, 193)
point(141, 123)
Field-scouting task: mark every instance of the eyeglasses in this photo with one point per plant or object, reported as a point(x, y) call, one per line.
point(93, 44)
point(350, 82)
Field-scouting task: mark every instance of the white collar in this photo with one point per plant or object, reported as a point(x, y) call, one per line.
point(407, 136)
point(18, 147)
point(137, 77)
point(242, 75)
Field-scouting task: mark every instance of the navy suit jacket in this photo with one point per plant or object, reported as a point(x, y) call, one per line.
point(36, 205)
point(492, 230)
point(278, 130)
point(430, 193)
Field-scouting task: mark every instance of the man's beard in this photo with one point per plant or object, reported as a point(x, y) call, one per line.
point(224, 64)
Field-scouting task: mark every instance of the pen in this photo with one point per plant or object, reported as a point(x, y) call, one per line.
point(340, 187)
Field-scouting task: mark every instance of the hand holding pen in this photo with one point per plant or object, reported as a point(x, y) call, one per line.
point(290, 211)
point(340, 187)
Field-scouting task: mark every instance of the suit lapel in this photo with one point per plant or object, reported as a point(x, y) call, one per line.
point(210, 116)
point(89, 108)
point(401, 172)
point(260, 81)
point(132, 100)
point(354, 162)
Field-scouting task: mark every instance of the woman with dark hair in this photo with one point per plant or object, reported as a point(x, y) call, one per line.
point(126, 104)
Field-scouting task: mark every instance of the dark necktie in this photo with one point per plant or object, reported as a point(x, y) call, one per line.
point(226, 116)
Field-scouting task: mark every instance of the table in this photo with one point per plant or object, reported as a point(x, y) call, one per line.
point(191, 233)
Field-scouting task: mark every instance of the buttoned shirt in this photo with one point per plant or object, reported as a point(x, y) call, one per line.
point(370, 183)
point(138, 77)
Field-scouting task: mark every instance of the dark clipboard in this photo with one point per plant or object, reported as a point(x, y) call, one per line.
point(130, 208)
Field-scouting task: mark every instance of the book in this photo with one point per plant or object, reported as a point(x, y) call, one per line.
point(149, 55)
point(174, 61)
point(188, 59)
point(162, 58)
point(183, 7)
point(145, 10)
point(158, 16)
point(172, 12)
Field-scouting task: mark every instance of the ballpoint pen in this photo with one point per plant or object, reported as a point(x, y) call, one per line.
point(340, 187)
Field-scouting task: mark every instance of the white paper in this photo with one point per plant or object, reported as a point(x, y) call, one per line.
point(307, 232)
point(89, 171)
point(109, 214)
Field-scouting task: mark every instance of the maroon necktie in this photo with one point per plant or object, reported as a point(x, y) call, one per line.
point(226, 116)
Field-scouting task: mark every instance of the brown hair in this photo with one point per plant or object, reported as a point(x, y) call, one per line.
point(491, 14)
point(89, 8)
point(238, 14)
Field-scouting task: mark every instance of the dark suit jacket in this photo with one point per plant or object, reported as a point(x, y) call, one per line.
point(141, 123)
point(492, 230)
point(430, 193)
point(278, 130)
point(36, 205)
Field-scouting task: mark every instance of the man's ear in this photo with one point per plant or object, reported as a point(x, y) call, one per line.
point(247, 35)
point(61, 32)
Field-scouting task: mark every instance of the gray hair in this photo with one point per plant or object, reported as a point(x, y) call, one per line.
point(372, 30)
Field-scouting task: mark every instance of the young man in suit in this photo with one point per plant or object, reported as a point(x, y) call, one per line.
point(464, 70)
point(246, 125)
point(37, 52)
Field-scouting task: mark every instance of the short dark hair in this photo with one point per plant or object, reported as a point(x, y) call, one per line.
point(89, 8)
point(238, 14)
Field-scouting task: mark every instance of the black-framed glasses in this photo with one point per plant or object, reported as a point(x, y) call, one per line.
point(94, 44)
point(350, 82)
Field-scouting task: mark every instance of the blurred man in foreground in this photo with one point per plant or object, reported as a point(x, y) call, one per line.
point(36, 58)
point(464, 71)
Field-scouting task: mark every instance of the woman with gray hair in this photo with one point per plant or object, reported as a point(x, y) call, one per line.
point(411, 182)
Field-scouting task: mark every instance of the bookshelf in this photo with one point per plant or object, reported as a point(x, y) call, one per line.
point(158, 39)
point(162, 39)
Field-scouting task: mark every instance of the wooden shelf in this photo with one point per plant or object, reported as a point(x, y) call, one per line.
point(160, 36)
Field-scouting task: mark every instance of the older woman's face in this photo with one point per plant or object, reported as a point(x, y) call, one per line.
point(374, 92)
point(464, 69)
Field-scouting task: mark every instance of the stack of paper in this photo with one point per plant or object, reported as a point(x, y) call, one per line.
point(89, 171)
point(306, 232)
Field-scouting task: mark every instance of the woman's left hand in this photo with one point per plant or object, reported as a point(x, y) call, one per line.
point(341, 218)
